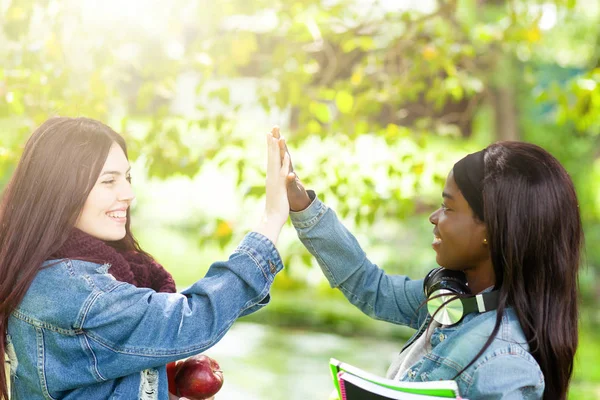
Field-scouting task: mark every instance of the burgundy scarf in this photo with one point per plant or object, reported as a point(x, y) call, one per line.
point(129, 266)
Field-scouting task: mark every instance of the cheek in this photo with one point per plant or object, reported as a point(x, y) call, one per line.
point(446, 227)
point(95, 206)
point(456, 231)
point(99, 201)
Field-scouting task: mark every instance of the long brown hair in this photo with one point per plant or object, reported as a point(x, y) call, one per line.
point(40, 206)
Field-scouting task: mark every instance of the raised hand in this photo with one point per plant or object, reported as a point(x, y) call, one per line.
point(277, 207)
point(297, 196)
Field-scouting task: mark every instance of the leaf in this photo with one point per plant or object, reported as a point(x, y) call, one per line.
point(221, 94)
point(255, 191)
point(320, 111)
point(344, 101)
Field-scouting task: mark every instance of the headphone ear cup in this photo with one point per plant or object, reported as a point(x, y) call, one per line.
point(442, 278)
point(429, 278)
point(445, 307)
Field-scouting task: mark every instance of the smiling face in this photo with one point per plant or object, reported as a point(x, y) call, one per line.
point(104, 213)
point(459, 238)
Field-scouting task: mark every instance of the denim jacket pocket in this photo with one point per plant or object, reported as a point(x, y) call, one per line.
point(435, 368)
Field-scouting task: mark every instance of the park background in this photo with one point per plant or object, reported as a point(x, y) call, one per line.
point(377, 100)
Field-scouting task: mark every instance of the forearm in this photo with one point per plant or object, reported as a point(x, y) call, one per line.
point(393, 298)
point(180, 324)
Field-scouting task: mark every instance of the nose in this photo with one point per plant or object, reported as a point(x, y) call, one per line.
point(433, 217)
point(126, 194)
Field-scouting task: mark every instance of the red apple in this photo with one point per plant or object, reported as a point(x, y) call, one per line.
point(172, 369)
point(198, 378)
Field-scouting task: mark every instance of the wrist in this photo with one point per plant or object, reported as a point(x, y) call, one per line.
point(304, 201)
point(270, 226)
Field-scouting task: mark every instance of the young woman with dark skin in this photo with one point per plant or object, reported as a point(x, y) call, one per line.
point(510, 222)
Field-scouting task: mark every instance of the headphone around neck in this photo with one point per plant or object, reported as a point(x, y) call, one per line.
point(449, 298)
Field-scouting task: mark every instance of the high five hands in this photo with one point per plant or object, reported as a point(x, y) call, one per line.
point(297, 195)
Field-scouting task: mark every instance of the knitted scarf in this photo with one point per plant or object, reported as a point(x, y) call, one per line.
point(129, 266)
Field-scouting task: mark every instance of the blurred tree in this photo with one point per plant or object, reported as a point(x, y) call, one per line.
point(406, 75)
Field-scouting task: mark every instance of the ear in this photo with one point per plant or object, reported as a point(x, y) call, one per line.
point(482, 234)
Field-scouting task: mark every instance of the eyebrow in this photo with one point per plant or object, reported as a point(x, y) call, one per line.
point(447, 196)
point(115, 172)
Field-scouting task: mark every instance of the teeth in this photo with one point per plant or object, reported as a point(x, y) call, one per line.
point(117, 214)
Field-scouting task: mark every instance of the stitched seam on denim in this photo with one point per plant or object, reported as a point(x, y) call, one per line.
point(506, 352)
point(313, 220)
point(91, 282)
point(321, 261)
point(42, 324)
point(85, 308)
point(506, 327)
point(41, 357)
point(89, 302)
point(267, 242)
point(202, 346)
point(244, 250)
point(464, 376)
point(444, 361)
point(265, 291)
point(98, 376)
point(261, 238)
point(159, 354)
point(69, 267)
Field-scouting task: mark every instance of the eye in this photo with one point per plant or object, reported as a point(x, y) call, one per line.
point(444, 207)
point(128, 177)
point(108, 181)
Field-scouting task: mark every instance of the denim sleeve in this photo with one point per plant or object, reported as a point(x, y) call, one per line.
point(506, 375)
point(392, 298)
point(129, 329)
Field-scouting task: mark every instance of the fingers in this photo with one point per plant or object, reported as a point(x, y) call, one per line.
point(284, 155)
point(274, 159)
point(291, 182)
point(282, 147)
point(284, 150)
point(285, 165)
point(275, 132)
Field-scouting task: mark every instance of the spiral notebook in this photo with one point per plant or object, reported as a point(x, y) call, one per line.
point(352, 383)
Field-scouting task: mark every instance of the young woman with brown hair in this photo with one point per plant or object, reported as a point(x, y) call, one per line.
point(86, 312)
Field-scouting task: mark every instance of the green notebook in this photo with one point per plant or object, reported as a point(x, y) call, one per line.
point(436, 389)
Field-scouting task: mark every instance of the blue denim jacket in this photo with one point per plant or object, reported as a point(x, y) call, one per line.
point(80, 334)
point(506, 370)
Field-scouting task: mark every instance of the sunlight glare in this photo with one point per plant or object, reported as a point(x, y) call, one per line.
point(140, 14)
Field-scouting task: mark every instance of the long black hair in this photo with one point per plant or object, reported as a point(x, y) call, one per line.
point(535, 239)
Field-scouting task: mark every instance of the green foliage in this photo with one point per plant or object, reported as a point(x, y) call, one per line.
point(580, 103)
point(350, 78)
point(376, 103)
point(414, 80)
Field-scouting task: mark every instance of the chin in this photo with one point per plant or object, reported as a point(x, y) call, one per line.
point(110, 236)
point(114, 238)
point(439, 261)
point(445, 264)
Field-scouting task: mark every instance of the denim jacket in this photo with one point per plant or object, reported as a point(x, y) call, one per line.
point(506, 370)
point(80, 334)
